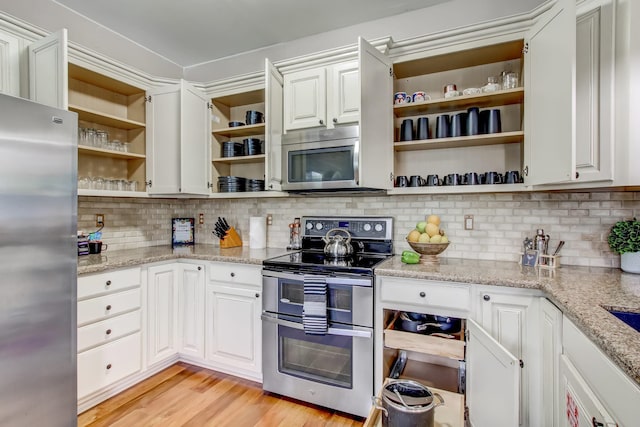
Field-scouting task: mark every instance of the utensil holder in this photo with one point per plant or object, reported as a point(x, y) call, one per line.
point(231, 239)
point(548, 261)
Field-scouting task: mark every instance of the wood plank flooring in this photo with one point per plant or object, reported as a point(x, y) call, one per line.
point(186, 395)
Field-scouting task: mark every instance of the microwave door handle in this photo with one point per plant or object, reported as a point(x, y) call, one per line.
point(330, 331)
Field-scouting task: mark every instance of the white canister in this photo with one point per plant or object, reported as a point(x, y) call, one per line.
point(257, 232)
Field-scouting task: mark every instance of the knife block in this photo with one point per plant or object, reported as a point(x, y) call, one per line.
point(231, 239)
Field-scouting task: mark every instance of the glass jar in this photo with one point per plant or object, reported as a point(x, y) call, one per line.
point(102, 139)
point(492, 85)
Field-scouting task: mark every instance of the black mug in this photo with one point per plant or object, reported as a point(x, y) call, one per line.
point(471, 178)
point(422, 128)
point(416, 181)
point(484, 121)
point(459, 125)
point(443, 127)
point(433, 181)
point(406, 130)
point(402, 181)
point(492, 178)
point(96, 246)
point(473, 121)
point(452, 179)
point(493, 122)
point(512, 177)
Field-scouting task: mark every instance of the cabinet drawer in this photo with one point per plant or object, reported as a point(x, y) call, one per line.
point(426, 293)
point(103, 283)
point(236, 273)
point(108, 330)
point(104, 365)
point(107, 306)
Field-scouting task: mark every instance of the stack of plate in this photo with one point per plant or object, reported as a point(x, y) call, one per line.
point(231, 184)
point(252, 146)
point(232, 149)
point(255, 185)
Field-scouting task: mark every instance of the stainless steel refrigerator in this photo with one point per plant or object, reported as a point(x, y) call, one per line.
point(38, 264)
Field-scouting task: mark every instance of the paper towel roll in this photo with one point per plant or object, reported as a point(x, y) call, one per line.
point(257, 232)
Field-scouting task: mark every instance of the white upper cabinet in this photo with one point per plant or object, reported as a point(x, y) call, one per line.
point(374, 90)
point(550, 68)
point(178, 129)
point(48, 70)
point(9, 64)
point(595, 90)
point(305, 99)
point(343, 96)
point(273, 126)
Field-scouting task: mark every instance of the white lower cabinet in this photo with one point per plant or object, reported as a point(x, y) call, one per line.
point(109, 330)
point(481, 362)
point(233, 326)
point(191, 310)
point(550, 350)
point(162, 327)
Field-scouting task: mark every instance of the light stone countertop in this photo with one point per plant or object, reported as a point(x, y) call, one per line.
point(132, 257)
point(580, 292)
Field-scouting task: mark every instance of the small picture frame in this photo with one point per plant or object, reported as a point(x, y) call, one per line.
point(530, 259)
point(182, 233)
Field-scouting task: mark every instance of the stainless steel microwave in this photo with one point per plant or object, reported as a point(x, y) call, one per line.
point(321, 159)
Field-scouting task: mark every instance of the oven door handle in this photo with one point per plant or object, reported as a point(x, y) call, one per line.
point(330, 331)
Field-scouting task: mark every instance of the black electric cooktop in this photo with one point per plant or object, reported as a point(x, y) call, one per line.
point(316, 262)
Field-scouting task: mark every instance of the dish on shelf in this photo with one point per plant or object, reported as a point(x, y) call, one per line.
point(235, 124)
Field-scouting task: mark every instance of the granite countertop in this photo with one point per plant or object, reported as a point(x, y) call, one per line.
point(132, 257)
point(580, 292)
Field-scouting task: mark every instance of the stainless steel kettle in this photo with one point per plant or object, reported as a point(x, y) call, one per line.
point(336, 246)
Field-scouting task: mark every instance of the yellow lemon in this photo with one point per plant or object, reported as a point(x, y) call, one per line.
point(436, 239)
point(432, 229)
point(424, 238)
point(413, 236)
point(433, 219)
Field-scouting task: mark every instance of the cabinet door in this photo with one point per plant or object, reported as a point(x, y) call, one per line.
point(376, 112)
point(48, 74)
point(305, 99)
point(162, 310)
point(234, 328)
point(493, 380)
point(510, 320)
point(343, 94)
point(9, 64)
point(273, 126)
point(594, 90)
point(579, 405)
point(191, 310)
point(551, 348)
point(550, 143)
point(195, 142)
point(163, 136)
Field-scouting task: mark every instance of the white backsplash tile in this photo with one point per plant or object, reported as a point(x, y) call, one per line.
point(501, 221)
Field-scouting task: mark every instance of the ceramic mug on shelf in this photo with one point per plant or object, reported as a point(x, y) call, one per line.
point(401, 98)
point(420, 96)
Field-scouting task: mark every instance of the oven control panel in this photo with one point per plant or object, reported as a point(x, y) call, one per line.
point(359, 227)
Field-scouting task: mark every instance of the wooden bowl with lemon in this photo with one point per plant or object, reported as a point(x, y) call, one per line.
point(428, 239)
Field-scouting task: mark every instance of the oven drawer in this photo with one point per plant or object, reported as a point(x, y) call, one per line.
point(236, 273)
point(425, 293)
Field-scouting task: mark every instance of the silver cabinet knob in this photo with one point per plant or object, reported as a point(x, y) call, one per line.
point(422, 294)
point(233, 274)
point(486, 297)
point(257, 295)
point(108, 283)
point(199, 268)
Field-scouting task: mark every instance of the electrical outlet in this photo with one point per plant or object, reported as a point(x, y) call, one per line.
point(468, 222)
point(201, 219)
point(99, 220)
point(269, 219)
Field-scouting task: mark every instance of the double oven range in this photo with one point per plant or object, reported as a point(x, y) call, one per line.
point(333, 368)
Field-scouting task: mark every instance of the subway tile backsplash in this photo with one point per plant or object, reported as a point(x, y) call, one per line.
point(501, 221)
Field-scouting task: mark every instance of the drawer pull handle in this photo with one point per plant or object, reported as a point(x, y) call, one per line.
point(486, 297)
point(199, 268)
point(109, 366)
point(233, 274)
point(108, 332)
point(422, 294)
point(109, 307)
point(108, 283)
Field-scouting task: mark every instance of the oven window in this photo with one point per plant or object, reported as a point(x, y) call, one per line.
point(338, 297)
point(321, 358)
point(323, 164)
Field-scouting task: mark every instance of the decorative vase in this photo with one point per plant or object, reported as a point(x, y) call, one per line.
point(630, 262)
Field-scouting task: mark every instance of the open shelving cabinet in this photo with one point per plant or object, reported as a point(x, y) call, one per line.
point(477, 153)
point(104, 103)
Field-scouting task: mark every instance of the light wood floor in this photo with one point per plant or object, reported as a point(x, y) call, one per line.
point(186, 395)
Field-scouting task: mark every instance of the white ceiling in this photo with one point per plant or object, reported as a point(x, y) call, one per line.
point(191, 32)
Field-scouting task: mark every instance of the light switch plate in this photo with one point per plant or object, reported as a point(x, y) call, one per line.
point(468, 222)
